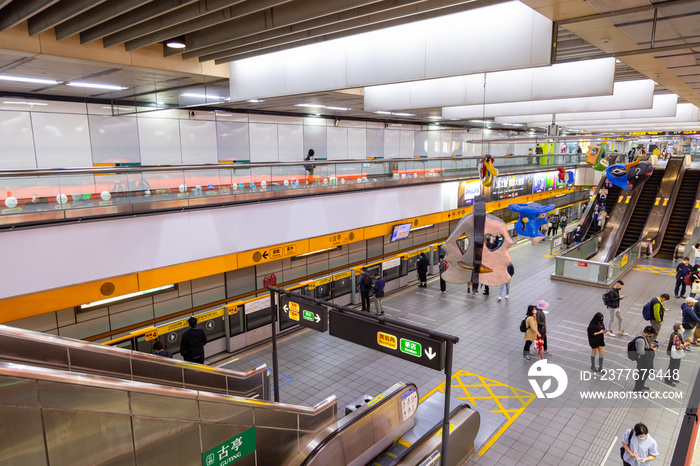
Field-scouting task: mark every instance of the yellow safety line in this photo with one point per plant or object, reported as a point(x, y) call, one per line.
point(511, 415)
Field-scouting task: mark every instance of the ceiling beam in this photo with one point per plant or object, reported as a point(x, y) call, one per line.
point(96, 16)
point(299, 28)
point(4, 3)
point(391, 22)
point(283, 15)
point(20, 11)
point(59, 13)
point(160, 22)
point(137, 16)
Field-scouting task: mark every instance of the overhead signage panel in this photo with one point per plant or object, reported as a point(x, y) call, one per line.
point(305, 314)
point(403, 344)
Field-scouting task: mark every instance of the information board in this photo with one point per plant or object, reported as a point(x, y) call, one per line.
point(304, 314)
point(385, 338)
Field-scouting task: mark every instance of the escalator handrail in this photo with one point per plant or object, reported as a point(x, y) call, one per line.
point(317, 449)
point(23, 371)
point(32, 336)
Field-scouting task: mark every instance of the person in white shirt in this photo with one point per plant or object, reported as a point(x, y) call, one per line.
point(638, 447)
point(696, 254)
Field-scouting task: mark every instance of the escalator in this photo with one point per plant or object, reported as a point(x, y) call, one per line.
point(610, 201)
point(646, 200)
point(676, 228)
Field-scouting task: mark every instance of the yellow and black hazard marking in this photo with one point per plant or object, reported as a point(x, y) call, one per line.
point(655, 269)
point(489, 394)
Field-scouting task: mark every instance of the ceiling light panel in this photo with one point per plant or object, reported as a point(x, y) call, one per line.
point(685, 113)
point(109, 87)
point(20, 79)
point(565, 80)
point(627, 95)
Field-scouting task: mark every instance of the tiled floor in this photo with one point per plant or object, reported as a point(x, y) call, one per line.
point(565, 430)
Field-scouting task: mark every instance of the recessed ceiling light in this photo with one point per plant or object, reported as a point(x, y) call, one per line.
point(382, 112)
point(109, 87)
point(338, 108)
point(309, 105)
point(433, 117)
point(176, 43)
point(202, 96)
point(402, 114)
point(7, 102)
point(255, 101)
point(29, 80)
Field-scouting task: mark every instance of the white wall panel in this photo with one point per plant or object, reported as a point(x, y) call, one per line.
point(434, 143)
point(290, 140)
point(177, 238)
point(338, 143)
point(232, 140)
point(406, 142)
point(16, 141)
point(375, 143)
point(198, 141)
point(316, 138)
point(61, 140)
point(357, 143)
point(114, 139)
point(462, 43)
point(392, 144)
point(263, 142)
point(159, 140)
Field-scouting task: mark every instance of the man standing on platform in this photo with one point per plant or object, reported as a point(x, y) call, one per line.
point(682, 270)
point(193, 341)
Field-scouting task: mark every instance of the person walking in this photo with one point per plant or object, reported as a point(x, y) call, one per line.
point(695, 253)
point(657, 312)
point(643, 354)
point(638, 447)
point(443, 268)
point(694, 281)
point(613, 306)
point(193, 341)
point(690, 320)
point(675, 351)
point(506, 285)
point(542, 324)
point(531, 333)
point(682, 270)
point(422, 269)
point(309, 167)
point(596, 340)
point(365, 285)
point(378, 291)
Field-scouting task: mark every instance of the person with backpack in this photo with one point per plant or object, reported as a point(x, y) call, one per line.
point(422, 269)
point(529, 327)
point(675, 351)
point(365, 285)
point(443, 268)
point(611, 299)
point(653, 311)
point(682, 270)
point(641, 351)
point(690, 319)
point(378, 291)
point(638, 447)
point(596, 340)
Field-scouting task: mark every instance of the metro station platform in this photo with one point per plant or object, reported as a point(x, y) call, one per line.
point(488, 369)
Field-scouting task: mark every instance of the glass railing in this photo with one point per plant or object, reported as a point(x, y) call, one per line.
point(28, 196)
point(572, 265)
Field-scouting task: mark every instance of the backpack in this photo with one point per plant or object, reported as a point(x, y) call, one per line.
point(632, 349)
point(523, 326)
point(646, 311)
point(688, 279)
point(368, 282)
point(606, 298)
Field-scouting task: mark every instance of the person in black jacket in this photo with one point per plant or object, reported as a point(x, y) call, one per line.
point(614, 308)
point(365, 285)
point(596, 330)
point(192, 344)
point(422, 268)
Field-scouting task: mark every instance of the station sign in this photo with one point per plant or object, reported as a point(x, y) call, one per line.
point(403, 344)
point(305, 314)
point(231, 450)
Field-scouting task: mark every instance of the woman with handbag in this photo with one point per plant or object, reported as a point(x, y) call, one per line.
point(676, 350)
point(531, 333)
point(694, 281)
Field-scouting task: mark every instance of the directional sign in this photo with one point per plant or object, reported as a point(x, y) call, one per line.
point(231, 450)
point(304, 314)
point(404, 344)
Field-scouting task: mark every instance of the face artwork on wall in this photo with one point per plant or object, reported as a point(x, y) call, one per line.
point(482, 256)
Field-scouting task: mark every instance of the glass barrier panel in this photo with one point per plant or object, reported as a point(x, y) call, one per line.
point(257, 319)
point(201, 183)
point(261, 179)
point(166, 185)
point(76, 191)
point(581, 270)
point(392, 273)
point(28, 194)
point(235, 322)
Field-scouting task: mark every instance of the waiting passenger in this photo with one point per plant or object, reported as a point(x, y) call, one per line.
point(694, 281)
point(531, 333)
point(422, 269)
point(682, 270)
point(638, 447)
point(378, 291)
point(690, 319)
point(365, 286)
point(193, 341)
point(160, 350)
point(310, 168)
point(675, 351)
point(596, 340)
point(443, 268)
point(696, 254)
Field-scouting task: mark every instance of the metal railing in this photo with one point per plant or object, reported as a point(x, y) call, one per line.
point(28, 196)
point(35, 348)
point(572, 264)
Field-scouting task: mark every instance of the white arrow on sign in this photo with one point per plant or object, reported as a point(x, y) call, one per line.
point(430, 353)
point(318, 318)
point(286, 309)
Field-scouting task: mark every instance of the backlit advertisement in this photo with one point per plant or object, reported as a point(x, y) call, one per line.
point(510, 186)
point(539, 181)
point(467, 191)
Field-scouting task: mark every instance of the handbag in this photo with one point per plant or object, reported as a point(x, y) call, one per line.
point(695, 288)
point(677, 354)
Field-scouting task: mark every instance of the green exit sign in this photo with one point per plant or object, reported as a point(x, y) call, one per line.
point(411, 347)
point(308, 315)
point(231, 450)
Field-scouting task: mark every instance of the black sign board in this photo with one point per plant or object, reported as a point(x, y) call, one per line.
point(402, 343)
point(304, 314)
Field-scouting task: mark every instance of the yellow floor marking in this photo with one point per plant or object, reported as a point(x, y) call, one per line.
point(466, 380)
point(655, 269)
